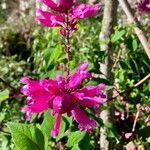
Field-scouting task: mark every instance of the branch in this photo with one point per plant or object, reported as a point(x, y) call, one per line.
point(140, 34)
point(135, 120)
point(142, 81)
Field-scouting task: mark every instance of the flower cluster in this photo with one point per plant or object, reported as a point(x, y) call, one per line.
point(64, 95)
point(65, 13)
point(143, 6)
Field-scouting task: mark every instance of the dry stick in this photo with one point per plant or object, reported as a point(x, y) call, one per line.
point(143, 80)
point(136, 118)
point(130, 89)
point(140, 34)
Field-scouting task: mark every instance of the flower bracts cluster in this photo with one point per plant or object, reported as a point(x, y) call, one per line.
point(143, 6)
point(64, 95)
point(65, 13)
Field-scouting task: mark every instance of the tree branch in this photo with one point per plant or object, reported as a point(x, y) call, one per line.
point(140, 34)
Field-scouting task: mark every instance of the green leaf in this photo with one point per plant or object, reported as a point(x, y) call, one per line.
point(111, 129)
point(117, 36)
point(26, 137)
point(76, 147)
point(75, 138)
point(47, 124)
point(4, 95)
point(123, 65)
point(134, 44)
point(2, 116)
point(4, 142)
point(84, 144)
point(145, 132)
point(52, 55)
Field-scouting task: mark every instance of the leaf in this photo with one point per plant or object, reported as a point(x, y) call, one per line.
point(2, 116)
point(4, 142)
point(4, 95)
point(75, 138)
point(134, 44)
point(26, 137)
point(84, 144)
point(52, 55)
point(117, 36)
point(76, 147)
point(144, 132)
point(111, 129)
point(123, 65)
point(47, 123)
point(68, 120)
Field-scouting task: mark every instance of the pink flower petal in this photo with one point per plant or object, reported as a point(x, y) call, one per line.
point(79, 76)
point(83, 66)
point(91, 91)
point(85, 123)
point(52, 5)
point(27, 111)
point(62, 103)
point(25, 80)
point(56, 127)
point(75, 80)
point(57, 104)
point(48, 19)
point(51, 86)
point(39, 107)
point(91, 101)
point(65, 4)
point(84, 10)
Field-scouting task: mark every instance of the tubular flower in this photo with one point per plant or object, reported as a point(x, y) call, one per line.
point(143, 6)
point(65, 13)
point(84, 10)
point(48, 19)
point(62, 6)
point(64, 95)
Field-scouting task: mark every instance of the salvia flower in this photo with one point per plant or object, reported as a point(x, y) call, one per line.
point(143, 6)
point(65, 13)
point(64, 95)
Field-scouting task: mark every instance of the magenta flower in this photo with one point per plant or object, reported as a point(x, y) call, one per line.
point(64, 95)
point(84, 10)
point(143, 6)
point(65, 13)
point(48, 19)
point(62, 6)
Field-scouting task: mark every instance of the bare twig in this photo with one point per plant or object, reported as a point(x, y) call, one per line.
point(140, 34)
point(142, 81)
point(135, 120)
